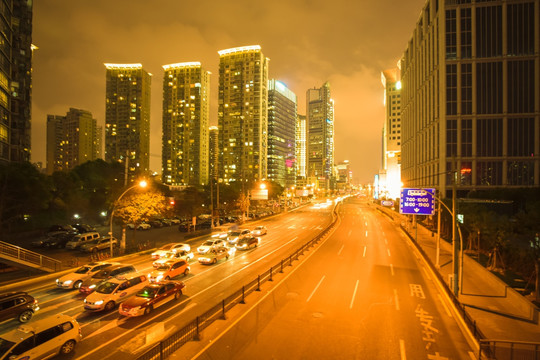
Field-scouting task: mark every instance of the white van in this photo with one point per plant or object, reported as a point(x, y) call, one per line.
point(78, 240)
point(114, 291)
point(41, 339)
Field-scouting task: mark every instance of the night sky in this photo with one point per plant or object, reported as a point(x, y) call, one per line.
point(347, 43)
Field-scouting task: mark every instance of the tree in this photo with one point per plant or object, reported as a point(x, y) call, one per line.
point(141, 206)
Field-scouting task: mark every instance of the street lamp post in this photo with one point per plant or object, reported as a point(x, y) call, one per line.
point(141, 184)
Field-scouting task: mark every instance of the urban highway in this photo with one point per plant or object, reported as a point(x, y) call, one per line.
point(107, 335)
point(360, 294)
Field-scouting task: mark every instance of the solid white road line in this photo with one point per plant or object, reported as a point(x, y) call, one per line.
point(316, 287)
point(392, 269)
point(388, 250)
point(471, 354)
point(396, 299)
point(354, 294)
point(427, 274)
point(339, 252)
point(366, 233)
point(402, 349)
point(444, 305)
point(365, 248)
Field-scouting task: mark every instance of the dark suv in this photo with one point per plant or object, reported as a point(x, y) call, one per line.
point(18, 305)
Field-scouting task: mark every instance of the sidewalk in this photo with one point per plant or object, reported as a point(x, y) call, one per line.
point(500, 312)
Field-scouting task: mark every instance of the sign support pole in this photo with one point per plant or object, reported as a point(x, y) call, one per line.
point(455, 247)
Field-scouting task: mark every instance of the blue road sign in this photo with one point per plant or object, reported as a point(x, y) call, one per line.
point(417, 201)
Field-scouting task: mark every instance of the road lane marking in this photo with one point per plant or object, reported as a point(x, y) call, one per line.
point(365, 248)
point(385, 241)
point(366, 233)
point(354, 294)
point(416, 290)
point(392, 269)
point(402, 349)
point(396, 299)
point(427, 274)
point(366, 223)
point(388, 250)
point(444, 305)
point(339, 252)
point(316, 287)
point(472, 356)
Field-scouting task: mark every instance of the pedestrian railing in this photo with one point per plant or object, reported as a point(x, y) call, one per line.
point(509, 350)
point(192, 330)
point(24, 256)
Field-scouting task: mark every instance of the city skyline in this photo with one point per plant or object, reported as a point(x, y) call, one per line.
point(71, 56)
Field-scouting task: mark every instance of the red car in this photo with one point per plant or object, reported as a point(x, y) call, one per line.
point(150, 297)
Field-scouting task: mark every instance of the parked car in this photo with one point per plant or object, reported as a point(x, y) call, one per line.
point(206, 224)
point(17, 305)
point(214, 255)
point(235, 235)
point(84, 228)
point(80, 239)
point(259, 230)
point(144, 226)
point(75, 279)
point(55, 229)
point(166, 222)
point(209, 245)
point(90, 284)
point(182, 254)
point(248, 243)
point(170, 247)
point(57, 334)
point(169, 270)
point(156, 223)
point(151, 297)
point(130, 226)
point(114, 291)
point(100, 244)
point(175, 221)
point(185, 226)
point(58, 241)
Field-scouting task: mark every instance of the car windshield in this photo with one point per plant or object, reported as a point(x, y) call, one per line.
point(166, 247)
point(5, 346)
point(107, 287)
point(259, 228)
point(208, 243)
point(148, 292)
point(163, 267)
point(82, 270)
point(234, 233)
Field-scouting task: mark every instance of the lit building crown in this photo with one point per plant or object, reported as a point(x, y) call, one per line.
point(182, 65)
point(252, 48)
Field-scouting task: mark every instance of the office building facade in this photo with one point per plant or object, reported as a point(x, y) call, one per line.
point(213, 153)
point(301, 135)
point(282, 113)
point(471, 96)
point(127, 116)
point(320, 135)
point(243, 114)
point(185, 156)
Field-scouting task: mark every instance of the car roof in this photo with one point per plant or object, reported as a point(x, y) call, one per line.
point(25, 331)
point(12, 294)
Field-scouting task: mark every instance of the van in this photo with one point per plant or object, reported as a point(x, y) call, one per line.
point(42, 339)
point(78, 240)
point(114, 291)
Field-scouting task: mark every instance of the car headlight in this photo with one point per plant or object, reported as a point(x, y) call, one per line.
point(92, 286)
point(159, 277)
point(67, 282)
point(99, 302)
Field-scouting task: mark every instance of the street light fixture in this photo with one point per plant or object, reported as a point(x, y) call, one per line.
point(141, 184)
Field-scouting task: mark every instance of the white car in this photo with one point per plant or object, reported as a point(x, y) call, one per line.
point(259, 230)
point(56, 334)
point(221, 235)
point(209, 245)
point(173, 255)
point(114, 291)
point(75, 279)
point(144, 226)
point(172, 247)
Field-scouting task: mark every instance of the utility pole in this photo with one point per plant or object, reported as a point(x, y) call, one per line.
point(437, 264)
point(211, 201)
point(455, 246)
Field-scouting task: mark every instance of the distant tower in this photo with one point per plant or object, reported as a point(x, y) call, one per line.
point(320, 135)
point(186, 91)
point(214, 152)
point(71, 140)
point(281, 134)
point(242, 114)
point(127, 116)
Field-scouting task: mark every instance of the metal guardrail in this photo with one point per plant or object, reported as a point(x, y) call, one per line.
point(509, 350)
point(192, 330)
point(16, 253)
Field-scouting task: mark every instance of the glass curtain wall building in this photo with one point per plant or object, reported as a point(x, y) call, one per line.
point(470, 96)
point(186, 91)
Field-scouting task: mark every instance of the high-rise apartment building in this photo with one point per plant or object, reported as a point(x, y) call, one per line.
point(71, 140)
point(390, 174)
point(282, 107)
point(127, 116)
point(301, 136)
point(213, 152)
point(243, 114)
point(186, 91)
point(320, 135)
point(471, 96)
point(15, 79)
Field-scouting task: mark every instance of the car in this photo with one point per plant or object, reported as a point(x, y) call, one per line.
point(84, 228)
point(175, 221)
point(235, 235)
point(248, 243)
point(58, 241)
point(156, 223)
point(206, 224)
point(185, 226)
point(57, 334)
point(144, 226)
point(90, 284)
point(170, 247)
point(215, 254)
point(166, 222)
point(209, 245)
point(75, 279)
point(80, 239)
point(130, 226)
point(259, 230)
point(55, 229)
point(173, 255)
point(100, 244)
point(221, 235)
point(150, 297)
point(114, 291)
point(169, 270)
point(17, 305)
